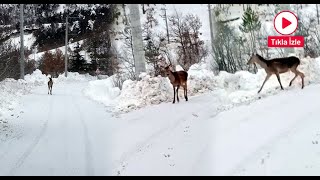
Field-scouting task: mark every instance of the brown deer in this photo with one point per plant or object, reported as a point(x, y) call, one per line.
point(278, 66)
point(50, 83)
point(177, 79)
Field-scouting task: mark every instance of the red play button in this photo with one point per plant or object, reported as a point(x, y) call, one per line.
point(285, 23)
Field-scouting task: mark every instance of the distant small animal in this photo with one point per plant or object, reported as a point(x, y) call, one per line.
point(50, 84)
point(177, 79)
point(278, 66)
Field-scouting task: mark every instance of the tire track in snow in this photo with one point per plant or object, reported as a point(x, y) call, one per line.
point(25, 155)
point(87, 142)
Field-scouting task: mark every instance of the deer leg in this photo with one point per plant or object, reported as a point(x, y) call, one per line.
point(266, 79)
point(294, 70)
point(177, 93)
point(296, 75)
point(185, 92)
point(174, 95)
point(302, 78)
point(278, 77)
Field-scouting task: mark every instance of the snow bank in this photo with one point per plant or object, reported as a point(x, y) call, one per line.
point(36, 78)
point(11, 90)
point(149, 90)
point(75, 77)
point(102, 91)
point(200, 80)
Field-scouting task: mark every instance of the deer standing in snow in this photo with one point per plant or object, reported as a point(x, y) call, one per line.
point(50, 83)
point(177, 79)
point(278, 66)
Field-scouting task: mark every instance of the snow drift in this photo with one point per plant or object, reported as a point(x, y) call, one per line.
point(102, 91)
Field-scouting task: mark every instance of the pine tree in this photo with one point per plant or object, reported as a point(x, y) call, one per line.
point(251, 25)
point(77, 62)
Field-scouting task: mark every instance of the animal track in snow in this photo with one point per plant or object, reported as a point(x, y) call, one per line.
point(263, 160)
point(168, 156)
point(186, 129)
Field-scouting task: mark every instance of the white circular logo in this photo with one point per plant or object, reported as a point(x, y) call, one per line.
point(285, 22)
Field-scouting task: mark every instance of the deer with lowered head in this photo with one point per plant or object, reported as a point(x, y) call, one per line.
point(278, 66)
point(177, 79)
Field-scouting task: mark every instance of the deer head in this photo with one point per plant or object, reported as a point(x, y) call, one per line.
point(253, 59)
point(167, 68)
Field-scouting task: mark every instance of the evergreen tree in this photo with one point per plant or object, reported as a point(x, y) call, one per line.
point(77, 62)
point(251, 25)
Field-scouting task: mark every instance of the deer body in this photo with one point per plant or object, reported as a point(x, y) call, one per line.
point(278, 66)
point(177, 79)
point(50, 83)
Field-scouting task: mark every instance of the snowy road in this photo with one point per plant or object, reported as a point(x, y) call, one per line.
point(63, 134)
point(68, 134)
